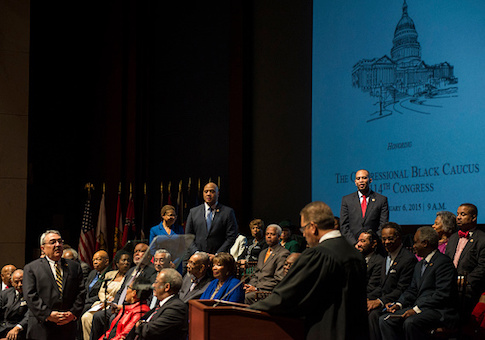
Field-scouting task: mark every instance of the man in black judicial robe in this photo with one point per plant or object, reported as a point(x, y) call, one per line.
point(326, 286)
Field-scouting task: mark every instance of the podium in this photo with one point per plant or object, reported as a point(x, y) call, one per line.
point(233, 321)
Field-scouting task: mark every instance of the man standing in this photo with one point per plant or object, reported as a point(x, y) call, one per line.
point(197, 278)
point(396, 275)
point(430, 301)
point(362, 210)
point(213, 224)
point(326, 286)
point(13, 310)
point(169, 319)
point(367, 245)
point(6, 275)
point(54, 290)
point(271, 265)
point(467, 250)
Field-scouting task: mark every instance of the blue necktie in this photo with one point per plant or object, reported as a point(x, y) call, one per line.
point(209, 220)
point(423, 268)
point(94, 281)
point(388, 264)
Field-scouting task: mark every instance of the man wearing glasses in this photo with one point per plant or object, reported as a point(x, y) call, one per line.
point(54, 290)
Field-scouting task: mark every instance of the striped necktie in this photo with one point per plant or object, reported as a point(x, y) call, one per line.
point(58, 277)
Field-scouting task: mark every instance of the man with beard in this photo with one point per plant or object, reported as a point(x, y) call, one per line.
point(367, 245)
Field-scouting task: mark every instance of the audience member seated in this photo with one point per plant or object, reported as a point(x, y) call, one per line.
point(290, 260)
point(100, 324)
point(71, 254)
point(467, 250)
point(13, 309)
point(223, 270)
point(367, 245)
point(134, 308)
point(286, 241)
point(431, 299)
point(197, 279)
point(162, 259)
point(93, 282)
point(7, 271)
point(396, 275)
point(270, 268)
point(445, 226)
point(169, 319)
point(167, 226)
point(112, 283)
point(256, 242)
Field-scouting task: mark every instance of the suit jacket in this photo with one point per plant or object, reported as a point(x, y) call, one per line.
point(222, 234)
point(92, 295)
point(374, 269)
point(13, 311)
point(351, 221)
point(268, 274)
point(185, 294)
point(147, 272)
point(43, 297)
point(397, 280)
point(169, 321)
point(435, 289)
point(326, 286)
point(472, 260)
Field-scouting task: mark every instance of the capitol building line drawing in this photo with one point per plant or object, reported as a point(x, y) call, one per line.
point(403, 83)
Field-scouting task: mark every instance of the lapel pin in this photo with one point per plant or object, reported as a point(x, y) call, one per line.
point(373, 200)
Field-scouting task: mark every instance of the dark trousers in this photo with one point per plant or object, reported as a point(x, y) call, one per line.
point(101, 323)
point(414, 327)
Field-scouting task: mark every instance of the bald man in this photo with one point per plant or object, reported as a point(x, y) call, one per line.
point(93, 284)
point(6, 275)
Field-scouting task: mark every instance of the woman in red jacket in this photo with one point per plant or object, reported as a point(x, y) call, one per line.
point(134, 308)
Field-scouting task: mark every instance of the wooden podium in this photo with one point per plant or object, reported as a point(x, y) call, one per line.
point(233, 321)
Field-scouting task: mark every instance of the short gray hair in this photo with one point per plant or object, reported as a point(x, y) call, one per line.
point(75, 255)
point(47, 232)
point(448, 219)
point(173, 277)
point(204, 257)
point(168, 256)
point(429, 235)
point(277, 227)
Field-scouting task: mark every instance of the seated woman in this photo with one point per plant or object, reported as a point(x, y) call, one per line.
point(287, 242)
point(167, 226)
point(256, 242)
point(445, 226)
point(223, 269)
point(134, 308)
point(107, 292)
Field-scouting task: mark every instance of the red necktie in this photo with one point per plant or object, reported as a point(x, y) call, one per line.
point(364, 205)
point(463, 233)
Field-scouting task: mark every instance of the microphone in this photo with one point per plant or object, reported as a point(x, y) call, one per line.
point(243, 280)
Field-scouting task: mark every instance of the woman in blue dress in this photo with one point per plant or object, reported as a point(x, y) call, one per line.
point(223, 270)
point(167, 226)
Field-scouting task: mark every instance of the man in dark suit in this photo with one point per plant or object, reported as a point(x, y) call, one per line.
point(7, 271)
point(54, 290)
point(93, 282)
point(143, 270)
point(270, 269)
point(396, 275)
point(467, 250)
point(362, 210)
point(13, 309)
point(169, 319)
point(326, 286)
point(430, 301)
point(213, 224)
point(367, 245)
point(197, 278)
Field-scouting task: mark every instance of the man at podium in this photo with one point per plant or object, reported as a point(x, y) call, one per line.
point(326, 286)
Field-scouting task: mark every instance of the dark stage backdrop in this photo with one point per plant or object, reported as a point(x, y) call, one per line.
point(144, 92)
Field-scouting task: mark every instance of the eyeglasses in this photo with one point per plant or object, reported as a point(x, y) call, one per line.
point(52, 242)
point(302, 229)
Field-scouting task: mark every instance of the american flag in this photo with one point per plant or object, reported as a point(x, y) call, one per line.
point(87, 239)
